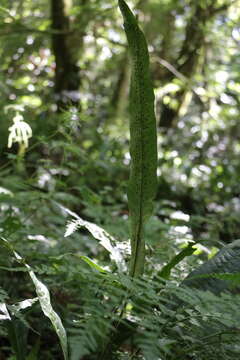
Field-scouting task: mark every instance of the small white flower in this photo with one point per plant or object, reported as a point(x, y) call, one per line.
point(20, 132)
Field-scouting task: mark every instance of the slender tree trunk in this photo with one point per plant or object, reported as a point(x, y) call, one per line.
point(67, 72)
point(188, 62)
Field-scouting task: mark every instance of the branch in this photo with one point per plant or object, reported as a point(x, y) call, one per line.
point(25, 29)
point(172, 69)
point(182, 77)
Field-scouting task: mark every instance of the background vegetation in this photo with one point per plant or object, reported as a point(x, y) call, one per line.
point(65, 82)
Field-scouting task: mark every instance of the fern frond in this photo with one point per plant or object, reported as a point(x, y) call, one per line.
point(104, 238)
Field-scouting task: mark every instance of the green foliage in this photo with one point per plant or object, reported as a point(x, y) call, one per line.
point(46, 306)
point(152, 321)
point(210, 276)
point(165, 272)
point(143, 140)
point(73, 180)
point(106, 240)
point(104, 310)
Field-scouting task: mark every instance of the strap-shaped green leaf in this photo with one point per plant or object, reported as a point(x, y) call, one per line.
point(143, 139)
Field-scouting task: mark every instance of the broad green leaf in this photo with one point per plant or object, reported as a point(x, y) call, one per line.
point(143, 140)
point(218, 274)
point(45, 302)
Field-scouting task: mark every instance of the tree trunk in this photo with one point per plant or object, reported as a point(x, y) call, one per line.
point(120, 94)
point(188, 62)
point(67, 72)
